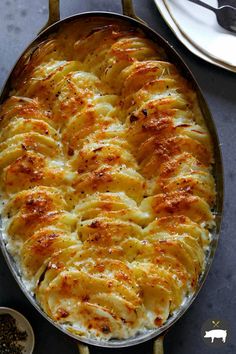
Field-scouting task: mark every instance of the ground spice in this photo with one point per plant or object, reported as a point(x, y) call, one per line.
point(10, 336)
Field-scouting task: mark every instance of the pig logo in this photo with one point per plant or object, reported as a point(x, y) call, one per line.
point(216, 333)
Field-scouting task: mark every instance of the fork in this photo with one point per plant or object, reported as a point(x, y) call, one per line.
point(226, 15)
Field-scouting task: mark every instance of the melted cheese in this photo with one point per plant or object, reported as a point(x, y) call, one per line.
point(106, 172)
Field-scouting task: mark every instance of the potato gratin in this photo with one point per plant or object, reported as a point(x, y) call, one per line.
point(106, 180)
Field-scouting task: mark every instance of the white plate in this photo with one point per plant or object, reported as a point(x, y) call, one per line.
point(186, 41)
point(23, 325)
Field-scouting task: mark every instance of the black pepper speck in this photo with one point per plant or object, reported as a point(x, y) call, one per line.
point(10, 336)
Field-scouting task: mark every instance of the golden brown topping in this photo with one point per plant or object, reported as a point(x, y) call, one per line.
point(106, 173)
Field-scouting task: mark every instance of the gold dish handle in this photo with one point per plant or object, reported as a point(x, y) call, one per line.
point(157, 347)
point(54, 12)
point(128, 10)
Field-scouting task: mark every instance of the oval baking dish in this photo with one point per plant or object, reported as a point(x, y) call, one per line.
point(93, 26)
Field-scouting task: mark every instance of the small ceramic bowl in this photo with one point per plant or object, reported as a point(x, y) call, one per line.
point(23, 325)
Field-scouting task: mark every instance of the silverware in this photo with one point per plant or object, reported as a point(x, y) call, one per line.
point(225, 15)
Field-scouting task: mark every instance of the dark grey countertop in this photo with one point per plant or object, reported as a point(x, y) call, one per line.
point(19, 22)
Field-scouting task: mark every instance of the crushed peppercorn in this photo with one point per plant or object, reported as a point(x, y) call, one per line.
point(144, 112)
point(133, 118)
point(11, 336)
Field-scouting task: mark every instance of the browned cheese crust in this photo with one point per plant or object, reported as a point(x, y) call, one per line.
point(106, 180)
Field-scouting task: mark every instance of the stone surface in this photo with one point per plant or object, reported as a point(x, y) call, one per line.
point(19, 22)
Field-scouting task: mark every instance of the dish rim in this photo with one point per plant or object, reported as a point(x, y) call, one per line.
point(185, 71)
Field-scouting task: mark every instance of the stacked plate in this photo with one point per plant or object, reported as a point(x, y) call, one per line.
point(198, 29)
